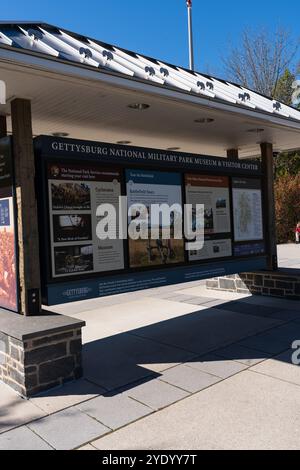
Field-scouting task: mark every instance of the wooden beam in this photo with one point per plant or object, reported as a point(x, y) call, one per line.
point(27, 220)
point(269, 204)
point(3, 127)
point(233, 154)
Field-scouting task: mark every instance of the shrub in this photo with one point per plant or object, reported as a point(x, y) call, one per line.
point(287, 206)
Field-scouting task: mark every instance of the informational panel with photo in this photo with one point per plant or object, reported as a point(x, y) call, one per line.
point(145, 188)
point(213, 193)
point(75, 192)
point(8, 258)
point(75, 177)
point(247, 209)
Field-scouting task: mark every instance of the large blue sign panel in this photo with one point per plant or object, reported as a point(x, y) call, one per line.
point(77, 177)
point(118, 284)
point(103, 152)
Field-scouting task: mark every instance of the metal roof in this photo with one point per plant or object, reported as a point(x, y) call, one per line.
point(60, 44)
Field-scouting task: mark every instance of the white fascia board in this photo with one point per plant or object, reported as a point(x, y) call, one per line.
point(66, 49)
point(5, 40)
point(192, 81)
point(110, 63)
point(293, 113)
point(134, 65)
point(62, 68)
point(39, 44)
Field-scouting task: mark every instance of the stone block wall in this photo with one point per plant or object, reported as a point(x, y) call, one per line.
point(274, 284)
point(33, 365)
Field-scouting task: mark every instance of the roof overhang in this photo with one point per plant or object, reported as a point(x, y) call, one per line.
point(93, 104)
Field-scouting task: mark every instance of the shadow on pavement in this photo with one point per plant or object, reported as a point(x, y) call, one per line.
point(255, 332)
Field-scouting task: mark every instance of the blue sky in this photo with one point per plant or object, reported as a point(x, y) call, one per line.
point(158, 28)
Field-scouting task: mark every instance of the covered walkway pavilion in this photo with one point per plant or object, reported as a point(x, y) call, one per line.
point(61, 84)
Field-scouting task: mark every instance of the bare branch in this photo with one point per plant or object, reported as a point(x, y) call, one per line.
point(261, 59)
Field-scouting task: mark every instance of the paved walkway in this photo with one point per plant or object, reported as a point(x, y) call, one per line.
point(289, 256)
point(178, 367)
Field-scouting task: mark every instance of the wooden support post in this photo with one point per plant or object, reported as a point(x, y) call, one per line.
point(269, 204)
point(27, 220)
point(3, 127)
point(233, 154)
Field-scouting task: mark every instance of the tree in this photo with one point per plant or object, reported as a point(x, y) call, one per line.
point(287, 206)
point(284, 90)
point(262, 62)
point(287, 163)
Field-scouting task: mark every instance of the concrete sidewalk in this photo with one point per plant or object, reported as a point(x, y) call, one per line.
point(289, 256)
point(178, 367)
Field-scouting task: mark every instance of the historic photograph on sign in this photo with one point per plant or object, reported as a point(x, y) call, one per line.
point(70, 196)
point(153, 187)
point(75, 193)
point(72, 227)
point(8, 276)
point(213, 193)
point(73, 259)
point(247, 209)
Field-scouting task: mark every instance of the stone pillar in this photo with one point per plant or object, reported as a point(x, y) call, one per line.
point(274, 284)
point(37, 354)
point(269, 205)
point(27, 221)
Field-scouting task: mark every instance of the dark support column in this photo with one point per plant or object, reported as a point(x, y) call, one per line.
point(269, 204)
point(36, 354)
point(27, 226)
point(233, 154)
point(3, 127)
